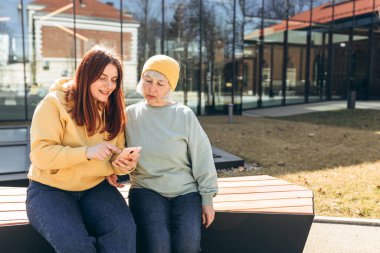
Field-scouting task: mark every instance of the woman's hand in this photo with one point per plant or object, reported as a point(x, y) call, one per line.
point(101, 151)
point(126, 163)
point(208, 215)
point(112, 180)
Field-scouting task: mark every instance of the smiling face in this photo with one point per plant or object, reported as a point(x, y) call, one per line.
point(102, 88)
point(155, 90)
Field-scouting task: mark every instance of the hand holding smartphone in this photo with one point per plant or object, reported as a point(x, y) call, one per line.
point(130, 151)
point(128, 154)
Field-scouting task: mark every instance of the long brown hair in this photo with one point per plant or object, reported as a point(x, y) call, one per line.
point(85, 109)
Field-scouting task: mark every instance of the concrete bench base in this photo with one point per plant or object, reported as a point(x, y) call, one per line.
point(23, 239)
point(256, 232)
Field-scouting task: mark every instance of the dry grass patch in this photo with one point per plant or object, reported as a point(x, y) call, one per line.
point(308, 149)
point(352, 191)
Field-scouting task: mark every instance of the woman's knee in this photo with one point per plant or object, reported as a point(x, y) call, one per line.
point(126, 227)
point(72, 243)
point(186, 239)
point(121, 238)
point(186, 247)
point(124, 221)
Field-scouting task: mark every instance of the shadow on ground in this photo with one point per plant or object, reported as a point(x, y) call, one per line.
point(358, 119)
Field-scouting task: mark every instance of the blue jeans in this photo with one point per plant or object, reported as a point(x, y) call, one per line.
point(166, 225)
point(94, 220)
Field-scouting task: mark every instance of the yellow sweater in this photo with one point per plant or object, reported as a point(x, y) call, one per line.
point(58, 146)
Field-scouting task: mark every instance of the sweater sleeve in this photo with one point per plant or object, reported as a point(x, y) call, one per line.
point(46, 134)
point(202, 162)
point(120, 143)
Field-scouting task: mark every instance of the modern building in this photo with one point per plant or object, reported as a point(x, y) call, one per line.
point(252, 53)
point(316, 52)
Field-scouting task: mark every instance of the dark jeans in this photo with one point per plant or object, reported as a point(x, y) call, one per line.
point(64, 218)
point(166, 225)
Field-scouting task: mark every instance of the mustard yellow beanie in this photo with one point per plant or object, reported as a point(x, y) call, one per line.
point(164, 65)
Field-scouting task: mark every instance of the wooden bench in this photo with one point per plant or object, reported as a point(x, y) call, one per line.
point(253, 214)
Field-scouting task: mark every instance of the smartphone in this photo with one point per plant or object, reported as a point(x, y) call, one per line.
point(130, 151)
point(123, 179)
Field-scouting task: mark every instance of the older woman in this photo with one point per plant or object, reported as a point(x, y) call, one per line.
point(175, 180)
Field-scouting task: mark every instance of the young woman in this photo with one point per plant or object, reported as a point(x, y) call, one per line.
point(76, 133)
point(175, 180)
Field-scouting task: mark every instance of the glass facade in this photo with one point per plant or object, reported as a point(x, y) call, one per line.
point(252, 53)
point(301, 51)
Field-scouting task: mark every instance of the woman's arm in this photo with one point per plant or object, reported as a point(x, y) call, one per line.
point(46, 134)
point(203, 168)
point(202, 161)
point(208, 215)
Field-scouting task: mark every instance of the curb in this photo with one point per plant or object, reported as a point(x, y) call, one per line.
point(347, 221)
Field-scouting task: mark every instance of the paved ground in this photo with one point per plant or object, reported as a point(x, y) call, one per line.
point(342, 238)
point(307, 108)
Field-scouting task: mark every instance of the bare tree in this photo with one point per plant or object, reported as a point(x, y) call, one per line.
point(148, 30)
point(278, 8)
point(185, 30)
point(176, 26)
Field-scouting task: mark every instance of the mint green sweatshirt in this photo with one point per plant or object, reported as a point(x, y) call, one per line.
point(176, 156)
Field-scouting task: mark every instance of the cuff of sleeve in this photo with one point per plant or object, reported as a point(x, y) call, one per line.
point(113, 157)
point(77, 155)
point(207, 199)
point(118, 171)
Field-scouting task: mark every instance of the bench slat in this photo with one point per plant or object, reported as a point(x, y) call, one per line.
point(263, 196)
point(262, 204)
point(12, 198)
point(253, 183)
point(304, 210)
point(14, 222)
point(258, 189)
point(6, 207)
point(13, 217)
point(247, 178)
point(5, 191)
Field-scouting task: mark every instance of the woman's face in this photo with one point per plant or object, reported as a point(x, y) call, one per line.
point(102, 88)
point(155, 90)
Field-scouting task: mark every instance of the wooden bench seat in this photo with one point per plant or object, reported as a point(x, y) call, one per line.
point(253, 214)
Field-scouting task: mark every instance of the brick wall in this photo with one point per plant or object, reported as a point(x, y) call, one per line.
point(57, 43)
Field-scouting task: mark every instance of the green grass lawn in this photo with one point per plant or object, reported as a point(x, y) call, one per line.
point(336, 154)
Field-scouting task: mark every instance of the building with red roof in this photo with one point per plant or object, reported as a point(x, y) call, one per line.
point(54, 52)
